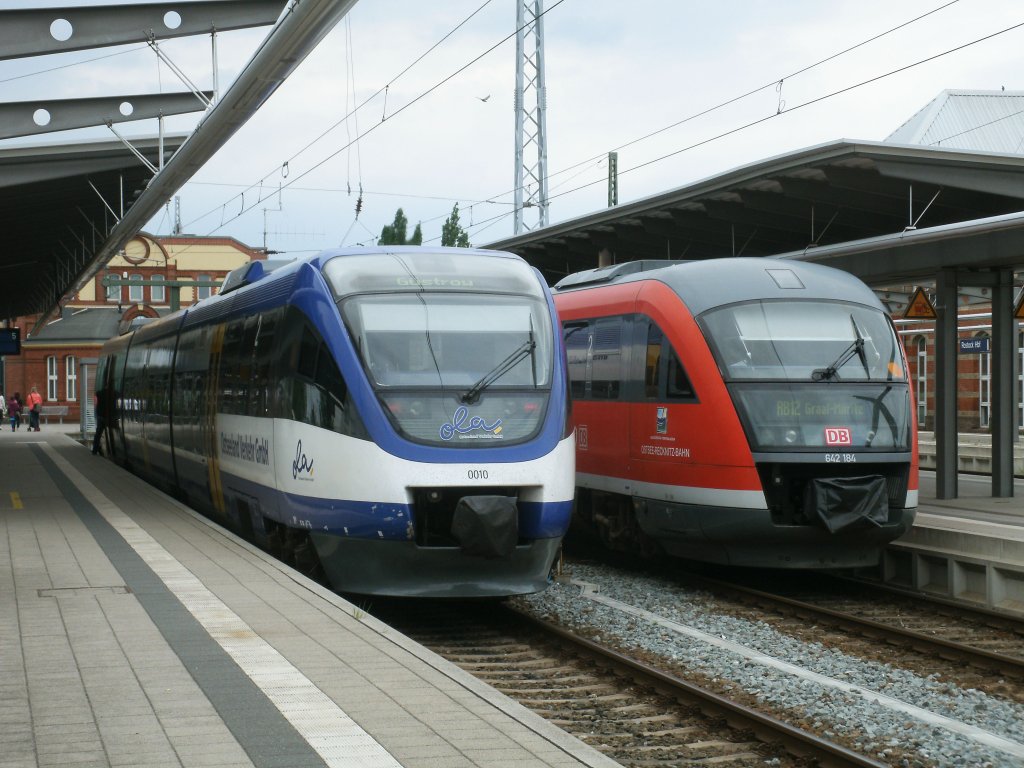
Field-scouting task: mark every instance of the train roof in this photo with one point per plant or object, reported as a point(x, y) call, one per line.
point(710, 283)
point(413, 249)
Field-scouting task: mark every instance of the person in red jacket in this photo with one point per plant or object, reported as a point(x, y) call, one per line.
point(34, 403)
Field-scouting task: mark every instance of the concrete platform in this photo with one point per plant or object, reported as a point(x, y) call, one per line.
point(969, 549)
point(135, 632)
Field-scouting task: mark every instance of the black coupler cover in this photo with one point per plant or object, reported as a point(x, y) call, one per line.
point(486, 526)
point(840, 502)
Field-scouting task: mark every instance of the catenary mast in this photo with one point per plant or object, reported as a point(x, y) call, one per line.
point(531, 177)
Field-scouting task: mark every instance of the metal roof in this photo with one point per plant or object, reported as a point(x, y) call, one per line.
point(57, 202)
point(987, 121)
point(833, 193)
point(90, 325)
point(68, 208)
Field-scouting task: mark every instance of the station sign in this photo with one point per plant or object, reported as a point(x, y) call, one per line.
point(10, 341)
point(977, 346)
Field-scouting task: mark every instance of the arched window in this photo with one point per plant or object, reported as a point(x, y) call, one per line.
point(984, 385)
point(922, 379)
point(71, 377)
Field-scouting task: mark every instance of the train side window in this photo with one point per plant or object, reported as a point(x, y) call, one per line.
point(664, 375)
point(606, 359)
point(577, 344)
point(652, 367)
point(308, 345)
point(262, 362)
point(678, 385)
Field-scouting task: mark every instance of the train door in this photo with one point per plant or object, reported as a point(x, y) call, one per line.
point(597, 357)
point(661, 425)
point(109, 385)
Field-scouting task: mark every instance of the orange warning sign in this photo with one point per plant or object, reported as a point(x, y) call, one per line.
point(1018, 313)
point(920, 307)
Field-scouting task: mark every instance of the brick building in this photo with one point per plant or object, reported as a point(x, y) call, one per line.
point(974, 370)
point(51, 357)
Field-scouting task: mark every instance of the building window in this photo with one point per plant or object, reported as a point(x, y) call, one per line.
point(922, 380)
point(203, 292)
point(71, 378)
point(157, 293)
point(984, 386)
point(135, 291)
point(51, 377)
point(114, 292)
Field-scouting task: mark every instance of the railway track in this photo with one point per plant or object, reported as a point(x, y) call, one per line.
point(974, 647)
point(630, 710)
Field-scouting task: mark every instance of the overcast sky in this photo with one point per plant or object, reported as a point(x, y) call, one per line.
point(615, 73)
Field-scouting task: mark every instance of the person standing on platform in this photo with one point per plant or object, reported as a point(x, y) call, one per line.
point(35, 402)
point(102, 413)
point(14, 410)
point(3, 408)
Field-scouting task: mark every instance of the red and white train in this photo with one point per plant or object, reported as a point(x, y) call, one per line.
point(739, 411)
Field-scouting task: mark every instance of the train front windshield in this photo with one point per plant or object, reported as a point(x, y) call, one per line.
point(459, 350)
point(813, 375)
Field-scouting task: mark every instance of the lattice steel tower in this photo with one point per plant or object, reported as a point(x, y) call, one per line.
point(531, 108)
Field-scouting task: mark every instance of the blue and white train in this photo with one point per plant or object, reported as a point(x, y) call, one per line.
point(397, 417)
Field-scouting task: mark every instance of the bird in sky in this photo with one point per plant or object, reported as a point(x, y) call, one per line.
point(484, 98)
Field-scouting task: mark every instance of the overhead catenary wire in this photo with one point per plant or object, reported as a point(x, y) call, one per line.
point(72, 64)
point(689, 147)
point(807, 103)
point(401, 109)
point(494, 199)
point(365, 102)
point(734, 99)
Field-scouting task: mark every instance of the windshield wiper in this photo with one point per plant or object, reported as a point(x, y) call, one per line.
point(856, 348)
point(518, 355)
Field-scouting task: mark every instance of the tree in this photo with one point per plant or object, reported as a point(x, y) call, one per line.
point(452, 233)
point(394, 233)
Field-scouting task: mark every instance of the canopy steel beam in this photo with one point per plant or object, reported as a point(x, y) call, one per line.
point(23, 118)
point(37, 31)
point(292, 39)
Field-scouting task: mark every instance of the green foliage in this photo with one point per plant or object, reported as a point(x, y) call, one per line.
point(452, 233)
point(394, 233)
point(417, 236)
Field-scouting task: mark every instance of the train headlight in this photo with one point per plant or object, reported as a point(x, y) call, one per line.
point(791, 436)
point(434, 496)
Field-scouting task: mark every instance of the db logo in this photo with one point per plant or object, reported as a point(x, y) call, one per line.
point(582, 438)
point(838, 436)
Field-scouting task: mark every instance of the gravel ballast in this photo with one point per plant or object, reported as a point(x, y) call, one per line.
point(848, 710)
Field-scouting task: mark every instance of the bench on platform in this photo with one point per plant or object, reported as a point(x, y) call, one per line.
point(46, 411)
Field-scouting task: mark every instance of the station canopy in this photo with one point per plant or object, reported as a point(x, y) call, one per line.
point(58, 202)
point(836, 193)
point(67, 207)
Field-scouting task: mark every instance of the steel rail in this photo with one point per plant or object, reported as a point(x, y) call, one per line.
point(946, 649)
point(797, 741)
